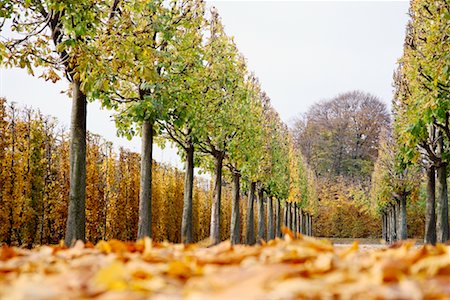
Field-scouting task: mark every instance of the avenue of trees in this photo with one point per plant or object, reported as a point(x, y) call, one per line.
point(170, 73)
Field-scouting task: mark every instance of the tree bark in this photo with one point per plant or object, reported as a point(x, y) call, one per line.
point(295, 218)
point(310, 224)
point(76, 218)
point(235, 230)
point(403, 218)
point(388, 225)
point(278, 219)
point(300, 225)
point(442, 204)
point(250, 234)
point(308, 229)
point(289, 215)
point(430, 215)
point(383, 226)
point(186, 222)
point(285, 214)
point(398, 218)
point(145, 187)
point(304, 223)
point(261, 229)
point(215, 209)
point(270, 227)
point(394, 223)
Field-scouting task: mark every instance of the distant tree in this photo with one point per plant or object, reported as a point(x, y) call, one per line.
point(340, 136)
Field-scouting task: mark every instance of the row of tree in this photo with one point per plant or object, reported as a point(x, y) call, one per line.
point(35, 178)
point(170, 72)
point(417, 149)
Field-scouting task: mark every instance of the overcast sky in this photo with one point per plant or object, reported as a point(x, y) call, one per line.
point(302, 52)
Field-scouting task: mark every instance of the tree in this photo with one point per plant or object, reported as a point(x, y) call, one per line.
point(218, 126)
point(340, 136)
point(422, 89)
point(143, 60)
point(56, 35)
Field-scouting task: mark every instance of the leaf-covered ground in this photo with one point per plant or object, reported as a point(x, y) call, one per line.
point(282, 269)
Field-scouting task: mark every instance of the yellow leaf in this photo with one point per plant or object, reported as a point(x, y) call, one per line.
point(112, 277)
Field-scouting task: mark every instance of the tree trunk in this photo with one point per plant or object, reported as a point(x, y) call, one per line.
point(186, 222)
point(76, 217)
point(383, 226)
point(304, 223)
point(261, 235)
point(289, 215)
point(270, 228)
point(404, 227)
point(430, 215)
point(145, 187)
point(300, 222)
point(235, 232)
point(442, 204)
point(285, 214)
point(310, 224)
point(295, 219)
point(394, 223)
point(250, 234)
point(388, 225)
point(278, 219)
point(398, 210)
point(215, 209)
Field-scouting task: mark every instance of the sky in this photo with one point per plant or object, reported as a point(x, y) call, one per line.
point(302, 52)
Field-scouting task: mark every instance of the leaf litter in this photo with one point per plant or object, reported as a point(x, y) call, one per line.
point(290, 268)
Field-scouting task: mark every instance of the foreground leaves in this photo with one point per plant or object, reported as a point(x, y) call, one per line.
point(281, 269)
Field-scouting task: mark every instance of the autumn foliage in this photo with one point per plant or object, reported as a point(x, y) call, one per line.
point(35, 180)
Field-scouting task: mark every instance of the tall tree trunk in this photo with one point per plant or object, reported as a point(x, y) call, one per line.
point(261, 229)
point(442, 204)
point(295, 218)
point(383, 226)
point(398, 218)
point(76, 217)
point(394, 223)
point(186, 222)
point(430, 215)
point(145, 188)
point(250, 228)
point(270, 227)
point(235, 213)
point(391, 224)
point(289, 216)
point(404, 226)
point(300, 225)
point(310, 225)
point(305, 217)
point(215, 209)
point(388, 225)
point(285, 214)
point(278, 219)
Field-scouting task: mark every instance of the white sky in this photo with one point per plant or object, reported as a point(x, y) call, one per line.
point(302, 52)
